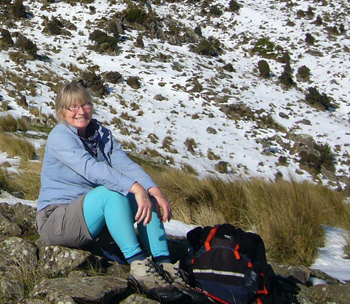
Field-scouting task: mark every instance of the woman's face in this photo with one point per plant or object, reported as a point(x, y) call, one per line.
point(78, 116)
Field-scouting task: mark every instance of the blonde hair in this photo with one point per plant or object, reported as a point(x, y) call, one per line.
point(69, 94)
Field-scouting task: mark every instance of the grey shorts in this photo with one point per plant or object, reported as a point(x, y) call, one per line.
point(64, 224)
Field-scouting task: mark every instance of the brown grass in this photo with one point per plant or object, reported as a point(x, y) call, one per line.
point(16, 146)
point(288, 215)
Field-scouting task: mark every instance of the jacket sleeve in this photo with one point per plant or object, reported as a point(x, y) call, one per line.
point(122, 163)
point(67, 148)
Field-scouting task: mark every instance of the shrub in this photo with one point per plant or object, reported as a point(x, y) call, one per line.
point(134, 82)
point(53, 27)
point(221, 167)
point(190, 145)
point(167, 143)
point(319, 20)
point(113, 77)
point(314, 98)
point(26, 44)
point(309, 39)
point(103, 42)
point(234, 6)
point(135, 15)
point(208, 47)
point(6, 37)
point(212, 156)
point(267, 49)
point(18, 10)
point(94, 83)
point(303, 73)
point(215, 10)
point(286, 77)
point(315, 161)
point(264, 68)
point(153, 138)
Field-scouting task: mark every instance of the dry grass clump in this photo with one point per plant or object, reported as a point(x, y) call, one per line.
point(288, 215)
point(6, 183)
point(16, 146)
point(9, 124)
point(28, 180)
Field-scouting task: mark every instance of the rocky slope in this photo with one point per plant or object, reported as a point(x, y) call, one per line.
point(32, 273)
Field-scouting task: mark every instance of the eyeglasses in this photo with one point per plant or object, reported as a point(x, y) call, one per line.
point(74, 109)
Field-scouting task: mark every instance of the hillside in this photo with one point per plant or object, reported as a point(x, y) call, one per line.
point(246, 88)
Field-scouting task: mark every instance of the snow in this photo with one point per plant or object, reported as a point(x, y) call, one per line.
point(236, 140)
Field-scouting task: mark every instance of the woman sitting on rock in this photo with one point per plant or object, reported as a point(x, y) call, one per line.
point(88, 182)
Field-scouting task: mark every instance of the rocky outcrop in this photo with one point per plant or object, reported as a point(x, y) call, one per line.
point(33, 273)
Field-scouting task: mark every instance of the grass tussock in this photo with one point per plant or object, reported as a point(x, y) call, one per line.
point(10, 124)
point(6, 183)
point(288, 215)
point(28, 180)
point(16, 146)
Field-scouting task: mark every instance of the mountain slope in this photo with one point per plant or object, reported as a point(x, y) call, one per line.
point(186, 84)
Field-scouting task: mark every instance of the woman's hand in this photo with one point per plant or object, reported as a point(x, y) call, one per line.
point(162, 205)
point(144, 211)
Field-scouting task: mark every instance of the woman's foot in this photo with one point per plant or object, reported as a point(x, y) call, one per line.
point(176, 277)
point(147, 277)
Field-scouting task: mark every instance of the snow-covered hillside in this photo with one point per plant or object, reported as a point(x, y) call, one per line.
point(196, 109)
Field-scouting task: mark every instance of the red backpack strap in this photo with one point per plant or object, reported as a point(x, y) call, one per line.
point(209, 238)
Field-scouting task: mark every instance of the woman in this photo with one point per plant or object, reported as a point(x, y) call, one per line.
point(88, 182)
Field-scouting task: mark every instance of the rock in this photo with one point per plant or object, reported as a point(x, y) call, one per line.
point(83, 290)
point(9, 228)
point(58, 260)
point(68, 276)
point(15, 251)
point(59, 298)
point(137, 299)
point(331, 293)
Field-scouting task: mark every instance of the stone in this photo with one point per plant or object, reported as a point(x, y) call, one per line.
point(98, 289)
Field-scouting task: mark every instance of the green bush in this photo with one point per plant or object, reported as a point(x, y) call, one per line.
point(215, 10)
point(267, 49)
point(309, 39)
point(18, 10)
point(303, 73)
point(94, 83)
point(264, 68)
point(6, 37)
point(103, 42)
point(208, 47)
point(314, 98)
point(136, 15)
point(26, 44)
point(54, 27)
point(286, 77)
point(234, 6)
point(323, 157)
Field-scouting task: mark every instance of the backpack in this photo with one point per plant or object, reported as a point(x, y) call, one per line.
point(229, 265)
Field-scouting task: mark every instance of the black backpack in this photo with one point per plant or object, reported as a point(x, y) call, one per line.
point(229, 265)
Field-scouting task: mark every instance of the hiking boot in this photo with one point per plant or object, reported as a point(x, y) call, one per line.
point(177, 278)
point(147, 278)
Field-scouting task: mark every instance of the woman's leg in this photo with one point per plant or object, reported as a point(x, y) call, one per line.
point(104, 207)
point(153, 235)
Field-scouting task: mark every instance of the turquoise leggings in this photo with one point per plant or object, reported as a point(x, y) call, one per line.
point(105, 207)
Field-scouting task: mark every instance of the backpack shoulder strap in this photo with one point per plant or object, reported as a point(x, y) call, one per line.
point(209, 238)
